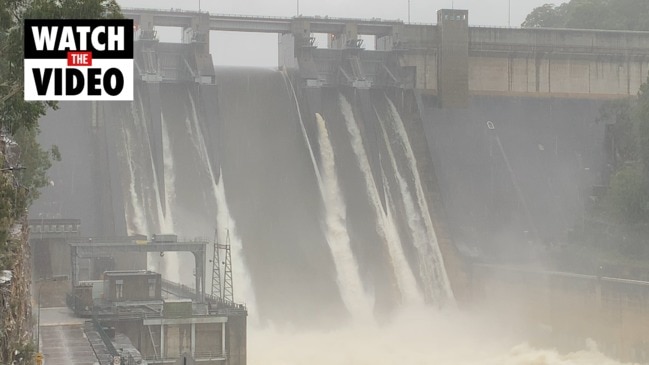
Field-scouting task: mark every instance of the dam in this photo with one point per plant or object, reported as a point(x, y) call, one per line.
point(353, 182)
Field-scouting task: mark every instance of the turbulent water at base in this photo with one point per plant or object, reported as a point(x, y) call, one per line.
point(414, 336)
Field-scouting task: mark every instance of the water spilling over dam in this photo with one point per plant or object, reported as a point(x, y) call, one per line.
point(258, 144)
point(353, 184)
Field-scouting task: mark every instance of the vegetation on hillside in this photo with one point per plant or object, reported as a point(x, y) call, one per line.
point(627, 199)
point(592, 14)
point(23, 161)
point(621, 217)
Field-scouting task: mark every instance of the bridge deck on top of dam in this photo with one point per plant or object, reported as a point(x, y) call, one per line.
point(481, 37)
point(262, 24)
point(450, 58)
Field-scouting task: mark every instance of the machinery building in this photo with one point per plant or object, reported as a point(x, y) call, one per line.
point(139, 316)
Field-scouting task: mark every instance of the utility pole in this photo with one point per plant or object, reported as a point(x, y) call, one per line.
point(297, 13)
point(408, 11)
point(509, 13)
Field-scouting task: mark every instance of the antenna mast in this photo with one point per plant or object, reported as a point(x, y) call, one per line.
point(217, 291)
point(223, 290)
point(228, 287)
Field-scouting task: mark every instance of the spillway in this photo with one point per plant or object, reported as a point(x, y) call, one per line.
point(326, 192)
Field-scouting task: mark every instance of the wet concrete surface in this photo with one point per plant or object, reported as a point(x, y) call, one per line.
point(62, 338)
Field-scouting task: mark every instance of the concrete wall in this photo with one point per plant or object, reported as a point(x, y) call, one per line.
point(534, 62)
point(552, 62)
point(580, 63)
point(425, 64)
point(235, 340)
point(207, 343)
point(453, 61)
point(134, 286)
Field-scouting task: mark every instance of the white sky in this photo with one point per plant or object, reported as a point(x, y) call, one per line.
point(261, 49)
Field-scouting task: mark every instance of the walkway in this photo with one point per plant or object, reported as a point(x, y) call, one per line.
point(63, 341)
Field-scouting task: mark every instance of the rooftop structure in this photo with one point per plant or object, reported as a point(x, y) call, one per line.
point(153, 319)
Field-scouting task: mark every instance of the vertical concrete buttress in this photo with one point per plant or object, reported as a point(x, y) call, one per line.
point(453, 58)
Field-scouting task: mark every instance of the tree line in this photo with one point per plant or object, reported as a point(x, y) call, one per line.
point(627, 197)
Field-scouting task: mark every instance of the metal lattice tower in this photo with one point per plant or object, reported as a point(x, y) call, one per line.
point(228, 287)
point(217, 290)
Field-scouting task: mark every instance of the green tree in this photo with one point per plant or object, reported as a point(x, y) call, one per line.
point(19, 147)
point(592, 14)
point(642, 126)
point(19, 118)
point(547, 16)
point(628, 196)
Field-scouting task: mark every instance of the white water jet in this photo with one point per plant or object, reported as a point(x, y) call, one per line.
point(240, 275)
point(135, 218)
point(442, 291)
point(417, 230)
point(166, 225)
point(386, 227)
point(224, 220)
point(348, 277)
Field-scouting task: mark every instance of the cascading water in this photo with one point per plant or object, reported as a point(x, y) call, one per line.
point(165, 219)
point(418, 232)
point(225, 226)
point(436, 284)
point(185, 142)
point(275, 208)
point(407, 284)
point(225, 222)
point(349, 280)
point(135, 216)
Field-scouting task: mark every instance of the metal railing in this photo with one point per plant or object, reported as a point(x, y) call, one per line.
point(198, 355)
point(210, 355)
point(105, 338)
point(218, 305)
point(129, 11)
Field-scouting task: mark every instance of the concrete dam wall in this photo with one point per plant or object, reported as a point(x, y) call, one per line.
point(400, 182)
point(319, 189)
point(515, 171)
point(360, 180)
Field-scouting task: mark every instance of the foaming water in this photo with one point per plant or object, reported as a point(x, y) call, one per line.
point(136, 222)
point(430, 256)
point(386, 226)
point(418, 231)
point(416, 336)
point(171, 261)
point(348, 277)
point(225, 226)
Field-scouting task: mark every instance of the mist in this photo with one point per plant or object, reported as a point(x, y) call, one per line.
point(372, 225)
point(414, 336)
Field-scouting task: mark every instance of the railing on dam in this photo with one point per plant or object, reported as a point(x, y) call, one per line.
point(218, 305)
point(612, 311)
point(537, 62)
point(262, 24)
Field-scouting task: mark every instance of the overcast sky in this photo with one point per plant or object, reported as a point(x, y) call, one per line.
point(261, 49)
